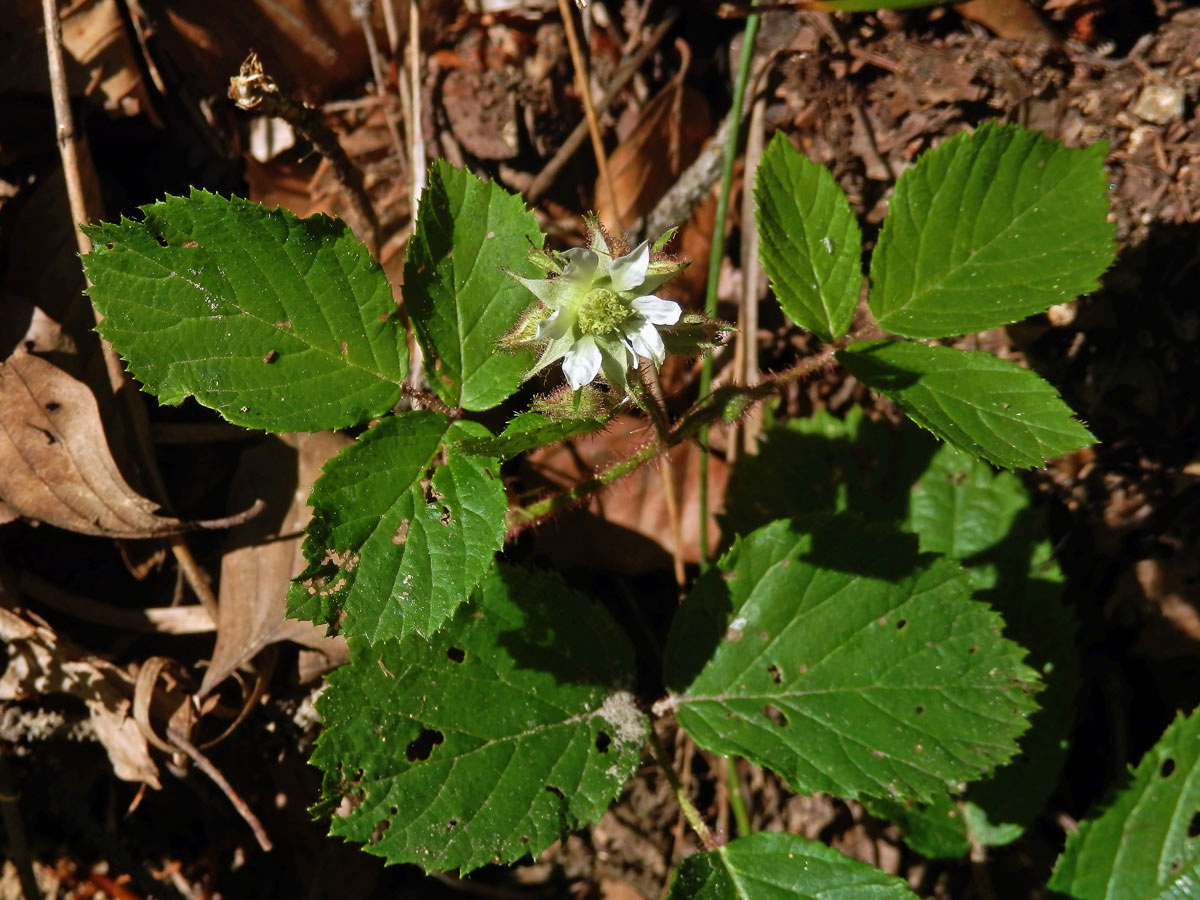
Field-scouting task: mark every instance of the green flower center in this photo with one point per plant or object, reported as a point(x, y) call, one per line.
point(602, 312)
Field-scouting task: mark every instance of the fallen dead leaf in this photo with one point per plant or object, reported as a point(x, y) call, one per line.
point(1015, 20)
point(41, 663)
point(630, 519)
point(55, 463)
point(251, 609)
point(665, 140)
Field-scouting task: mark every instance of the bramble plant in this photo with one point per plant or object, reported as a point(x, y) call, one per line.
point(891, 633)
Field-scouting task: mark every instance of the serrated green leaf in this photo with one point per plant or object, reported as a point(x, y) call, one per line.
point(276, 322)
point(811, 244)
point(389, 553)
point(525, 432)
point(513, 726)
point(766, 866)
point(1143, 845)
point(855, 674)
point(963, 508)
point(455, 289)
point(987, 229)
point(991, 408)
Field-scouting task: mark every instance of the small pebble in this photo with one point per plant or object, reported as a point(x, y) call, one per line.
point(1159, 103)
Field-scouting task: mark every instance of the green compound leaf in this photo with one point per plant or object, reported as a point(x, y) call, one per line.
point(766, 866)
point(963, 508)
point(525, 432)
point(811, 244)
point(388, 552)
point(513, 726)
point(1143, 845)
point(988, 407)
point(856, 675)
point(276, 322)
point(987, 229)
point(455, 289)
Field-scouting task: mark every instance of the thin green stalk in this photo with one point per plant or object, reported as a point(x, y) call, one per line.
point(524, 515)
point(737, 797)
point(694, 422)
point(689, 811)
point(717, 253)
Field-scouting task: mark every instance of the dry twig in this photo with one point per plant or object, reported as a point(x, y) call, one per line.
point(253, 88)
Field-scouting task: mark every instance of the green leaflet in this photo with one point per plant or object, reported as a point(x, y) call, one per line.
point(508, 729)
point(389, 553)
point(811, 244)
point(1142, 843)
point(276, 322)
point(856, 674)
point(455, 289)
point(990, 408)
point(989, 228)
point(766, 866)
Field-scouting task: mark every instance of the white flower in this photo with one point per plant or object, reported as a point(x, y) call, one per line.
point(603, 315)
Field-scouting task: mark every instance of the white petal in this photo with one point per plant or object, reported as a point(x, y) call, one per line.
point(558, 324)
point(628, 272)
point(658, 311)
point(581, 363)
point(646, 342)
point(581, 266)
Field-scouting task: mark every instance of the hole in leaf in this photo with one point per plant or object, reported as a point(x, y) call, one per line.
point(162, 241)
point(423, 745)
point(453, 823)
point(1167, 767)
point(920, 710)
point(776, 718)
point(108, 245)
point(524, 839)
point(1194, 826)
point(455, 654)
point(776, 673)
point(556, 792)
point(900, 625)
point(603, 742)
point(53, 406)
point(394, 811)
point(378, 832)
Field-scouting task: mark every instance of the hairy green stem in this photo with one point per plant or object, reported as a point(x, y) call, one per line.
point(717, 251)
point(525, 515)
point(737, 797)
point(689, 810)
point(692, 424)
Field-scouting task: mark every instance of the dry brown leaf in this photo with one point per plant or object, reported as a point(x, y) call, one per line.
point(255, 576)
point(1015, 20)
point(668, 136)
point(55, 463)
point(630, 519)
point(41, 663)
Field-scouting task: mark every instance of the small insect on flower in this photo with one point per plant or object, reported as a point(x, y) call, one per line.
point(599, 313)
